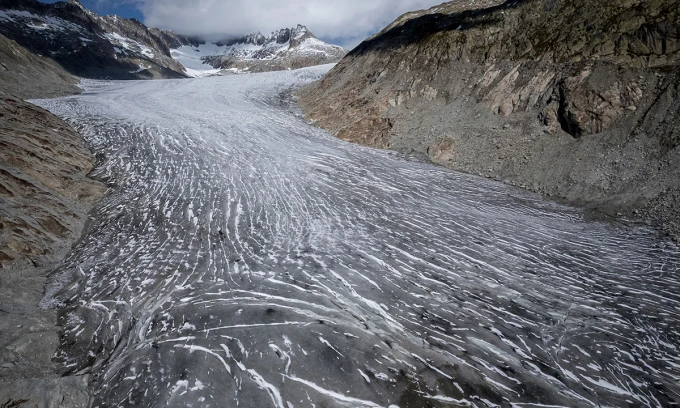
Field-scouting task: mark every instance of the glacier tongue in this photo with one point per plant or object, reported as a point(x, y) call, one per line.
point(245, 258)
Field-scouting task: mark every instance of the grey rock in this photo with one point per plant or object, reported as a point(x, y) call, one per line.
point(46, 393)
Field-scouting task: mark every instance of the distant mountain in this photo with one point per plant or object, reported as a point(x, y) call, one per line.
point(92, 46)
point(289, 48)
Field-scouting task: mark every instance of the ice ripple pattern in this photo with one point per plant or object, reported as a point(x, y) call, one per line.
point(245, 258)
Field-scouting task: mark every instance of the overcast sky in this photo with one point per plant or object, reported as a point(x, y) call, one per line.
point(343, 22)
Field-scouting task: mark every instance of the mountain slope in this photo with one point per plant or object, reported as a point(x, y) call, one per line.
point(45, 197)
point(289, 48)
point(573, 99)
point(28, 76)
point(88, 45)
point(93, 46)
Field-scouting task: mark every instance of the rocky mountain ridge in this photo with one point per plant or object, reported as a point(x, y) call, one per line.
point(281, 36)
point(573, 99)
point(88, 45)
point(288, 48)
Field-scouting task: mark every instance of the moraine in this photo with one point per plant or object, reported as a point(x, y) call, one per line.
point(245, 258)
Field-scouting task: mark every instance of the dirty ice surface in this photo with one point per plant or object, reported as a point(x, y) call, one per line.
point(245, 258)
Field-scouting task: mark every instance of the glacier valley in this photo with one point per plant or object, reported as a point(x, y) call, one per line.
point(243, 257)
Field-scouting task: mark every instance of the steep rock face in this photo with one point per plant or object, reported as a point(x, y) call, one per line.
point(570, 98)
point(289, 48)
point(88, 45)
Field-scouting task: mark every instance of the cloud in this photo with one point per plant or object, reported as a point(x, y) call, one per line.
point(343, 21)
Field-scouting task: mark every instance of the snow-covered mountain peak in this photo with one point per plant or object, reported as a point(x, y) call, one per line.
point(281, 36)
point(287, 48)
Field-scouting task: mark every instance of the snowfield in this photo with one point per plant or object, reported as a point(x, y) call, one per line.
point(245, 258)
point(191, 59)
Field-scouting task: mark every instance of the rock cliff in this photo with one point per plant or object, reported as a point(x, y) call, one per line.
point(574, 99)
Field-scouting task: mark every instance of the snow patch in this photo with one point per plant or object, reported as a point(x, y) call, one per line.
point(37, 22)
point(126, 43)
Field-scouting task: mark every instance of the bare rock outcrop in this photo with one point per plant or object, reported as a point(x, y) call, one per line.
point(573, 99)
point(43, 184)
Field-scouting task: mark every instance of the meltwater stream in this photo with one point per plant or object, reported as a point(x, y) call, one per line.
point(244, 258)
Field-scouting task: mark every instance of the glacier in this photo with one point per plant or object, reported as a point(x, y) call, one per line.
point(243, 257)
